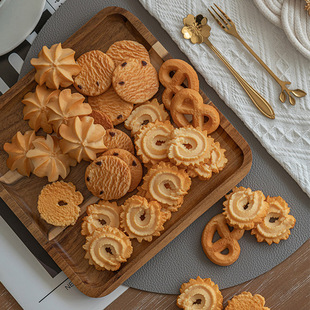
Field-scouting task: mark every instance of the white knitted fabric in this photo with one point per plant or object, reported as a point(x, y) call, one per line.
point(287, 137)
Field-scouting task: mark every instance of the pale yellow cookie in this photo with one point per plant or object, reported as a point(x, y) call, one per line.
point(246, 301)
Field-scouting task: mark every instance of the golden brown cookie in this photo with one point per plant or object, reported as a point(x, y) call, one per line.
point(276, 224)
point(228, 240)
point(200, 294)
point(82, 139)
point(133, 163)
point(35, 109)
point(112, 105)
point(107, 248)
point(55, 66)
point(115, 138)
point(135, 80)
point(246, 301)
point(152, 142)
point(141, 219)
point(101, 119)
point(18, 150)
point(58, 203)
point(121, 50)
point(144, 114)
point(96, 73)
point(182, 72)
point(48, 159)
point(189, 102)
point(245, 208)
point(108, 177)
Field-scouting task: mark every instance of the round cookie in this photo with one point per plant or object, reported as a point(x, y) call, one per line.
point(108, 177)
point(96, 73)
point(125, 49)
point(115, 138)
point(112, 105)
point(135, 80)
point(102, 119)
point(133, 163)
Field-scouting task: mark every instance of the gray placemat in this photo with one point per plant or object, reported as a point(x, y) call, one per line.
point(183, 258)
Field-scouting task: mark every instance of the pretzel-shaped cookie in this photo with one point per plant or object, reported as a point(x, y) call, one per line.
point(229, 240)
point(183, 71)
point(189, 102)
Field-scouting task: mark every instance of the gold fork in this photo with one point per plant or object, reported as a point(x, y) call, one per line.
point(228, 26)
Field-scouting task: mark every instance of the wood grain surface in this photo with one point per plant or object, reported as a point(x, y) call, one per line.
point(110, 25)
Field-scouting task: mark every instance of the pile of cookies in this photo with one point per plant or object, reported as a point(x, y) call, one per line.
point(267, 218)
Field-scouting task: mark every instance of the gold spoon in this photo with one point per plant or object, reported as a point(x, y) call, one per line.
point(198, 31)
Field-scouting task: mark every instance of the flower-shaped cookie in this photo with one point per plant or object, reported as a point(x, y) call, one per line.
point(17, 151)
point(35, 109)
point(48, 159)
point(195, 28)
point(82, 139)
point(65, 107)
point(246, 300)
point(276, 224)
point(307, 6)
point(55, 66)
point(201, 294)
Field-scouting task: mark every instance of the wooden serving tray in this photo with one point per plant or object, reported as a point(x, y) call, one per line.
point(65, 245)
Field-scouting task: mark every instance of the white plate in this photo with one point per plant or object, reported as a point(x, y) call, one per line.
point(17, 19)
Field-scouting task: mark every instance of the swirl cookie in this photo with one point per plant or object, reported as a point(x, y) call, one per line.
point(55, 66)
point(115, 138)
point(189, 102)
point(244, 208)
point(133, 163)
point(276, 224)
point(141, 219)
point(101, 119)
point(112, 105)
point(35, 109)
point(189, 146)
point(246, 300)
point(96, 73)
point(200, 294)
point(82, 139)
point(108, 177)
point(121, 50)
point(135, 80)
point(152, 142)
point(182, 72)
point(18, 149)
point(98, 215)
point(144, 114)
point(166, 184)
point(107, 248)
point(58, 203)
point(228, 240)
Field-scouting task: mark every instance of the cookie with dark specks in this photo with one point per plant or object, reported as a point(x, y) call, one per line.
point(115, 138)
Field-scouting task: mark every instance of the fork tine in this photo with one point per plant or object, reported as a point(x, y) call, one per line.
point(223, 20)
point(217, 20)
point(224, 14)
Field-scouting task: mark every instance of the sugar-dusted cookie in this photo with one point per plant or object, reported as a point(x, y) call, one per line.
point(58, 203)
point(133, 163)
point(121, 50)
point(108, 177)
point(48, 159)
point(66, 106)
point(152, 142)
point(55, 66)
point(200, 294)
point(141, 219)
point(18, 149)
point(146, 113)
point(276, 224)
point(135, 80)
point(101, 119)
point(35, 109)
point(107, 248)
point(96, 73)
point(182, 72)
point(100, 214)
point(112, 105)
point(246, 301)
point(245, 208)
point(115, 138)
